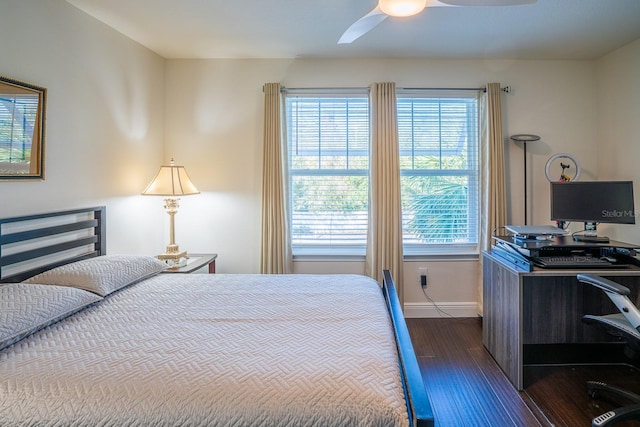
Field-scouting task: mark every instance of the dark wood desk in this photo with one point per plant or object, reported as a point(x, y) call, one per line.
point(528, 315)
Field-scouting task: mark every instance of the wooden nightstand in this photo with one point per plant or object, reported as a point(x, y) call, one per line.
point(196, 262)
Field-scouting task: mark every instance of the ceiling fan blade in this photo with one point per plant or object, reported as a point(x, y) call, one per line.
point(484, 2)
point(362, 26)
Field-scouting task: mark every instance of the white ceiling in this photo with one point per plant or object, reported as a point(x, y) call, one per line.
point(548, 29)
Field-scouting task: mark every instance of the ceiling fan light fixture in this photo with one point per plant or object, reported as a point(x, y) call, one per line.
point(402, 8)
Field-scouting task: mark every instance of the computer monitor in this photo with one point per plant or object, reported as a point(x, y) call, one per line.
point(593, 202)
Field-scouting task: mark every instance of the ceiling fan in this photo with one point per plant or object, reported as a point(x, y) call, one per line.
point(404, 8)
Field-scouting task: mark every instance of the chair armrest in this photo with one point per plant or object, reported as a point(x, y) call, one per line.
point(604, 284)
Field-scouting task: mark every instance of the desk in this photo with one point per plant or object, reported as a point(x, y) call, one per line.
point(528, 313)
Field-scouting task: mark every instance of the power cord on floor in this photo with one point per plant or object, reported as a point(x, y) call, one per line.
point(438, 309)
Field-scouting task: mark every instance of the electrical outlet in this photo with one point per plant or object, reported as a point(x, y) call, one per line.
point(422, 276)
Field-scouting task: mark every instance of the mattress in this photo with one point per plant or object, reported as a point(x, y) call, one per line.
point(213, 350)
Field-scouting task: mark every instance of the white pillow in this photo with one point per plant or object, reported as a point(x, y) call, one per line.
point(26, 308)
point(102, 275)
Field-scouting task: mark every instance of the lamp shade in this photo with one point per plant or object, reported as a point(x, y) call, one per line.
point(402, 8)
point(525, 137)
point(171, 180)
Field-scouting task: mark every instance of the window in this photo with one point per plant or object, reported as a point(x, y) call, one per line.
point(18, 113)
point(438, 137)
point(328, 157)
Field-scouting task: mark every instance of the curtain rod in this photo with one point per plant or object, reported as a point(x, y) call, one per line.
point(506, 89)
point(359, 89)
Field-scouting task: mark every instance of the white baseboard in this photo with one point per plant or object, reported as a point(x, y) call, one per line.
point(444, 309)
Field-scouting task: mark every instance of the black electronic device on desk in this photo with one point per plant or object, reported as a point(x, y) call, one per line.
point(511, 256)
point(565, 252)
point(534, 232)
point(578, 262)
point(592, 202)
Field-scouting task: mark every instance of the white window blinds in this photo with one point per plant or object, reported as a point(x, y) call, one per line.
point(17, 121)
point(328, 159)
point(438, 136)
point(328, 149)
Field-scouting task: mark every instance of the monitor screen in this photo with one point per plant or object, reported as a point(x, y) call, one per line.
point(593, 201)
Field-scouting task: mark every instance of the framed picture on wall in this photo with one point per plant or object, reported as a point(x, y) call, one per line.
point(22, 129)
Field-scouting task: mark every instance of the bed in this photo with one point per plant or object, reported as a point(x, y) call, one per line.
point(94, 339)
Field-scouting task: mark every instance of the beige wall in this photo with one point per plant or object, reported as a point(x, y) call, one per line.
point(105, 114)
point(116, 111)
point(214, 125)
point(618, 133)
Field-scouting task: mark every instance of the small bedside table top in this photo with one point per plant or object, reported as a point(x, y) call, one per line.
point(195, 262)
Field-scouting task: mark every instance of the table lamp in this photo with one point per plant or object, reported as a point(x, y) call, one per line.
point(171, 181)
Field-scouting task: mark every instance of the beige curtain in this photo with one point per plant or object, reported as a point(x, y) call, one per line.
point(276, 247)
point(493, 176)
point(384, 242)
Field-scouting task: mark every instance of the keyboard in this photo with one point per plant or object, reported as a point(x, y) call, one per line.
point(575, 261)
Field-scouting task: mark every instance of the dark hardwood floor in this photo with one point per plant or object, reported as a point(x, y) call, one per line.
point(467, 388)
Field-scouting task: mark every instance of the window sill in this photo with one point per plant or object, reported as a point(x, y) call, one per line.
point(441, 257)
point(361, 258)
point(351, 255)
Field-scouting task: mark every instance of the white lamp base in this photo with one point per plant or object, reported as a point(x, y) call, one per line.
point(177, 259)
point(173, 256)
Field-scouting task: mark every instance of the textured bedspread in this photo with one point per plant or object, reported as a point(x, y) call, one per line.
point(213, 350)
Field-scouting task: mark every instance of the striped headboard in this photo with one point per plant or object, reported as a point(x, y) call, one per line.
point(32, 244)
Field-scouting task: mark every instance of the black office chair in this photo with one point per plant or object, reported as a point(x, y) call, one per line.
point(626, 325)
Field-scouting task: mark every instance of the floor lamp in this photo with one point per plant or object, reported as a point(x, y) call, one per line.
point(524, 138)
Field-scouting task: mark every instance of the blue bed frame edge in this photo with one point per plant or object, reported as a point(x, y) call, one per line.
point(418, 405)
